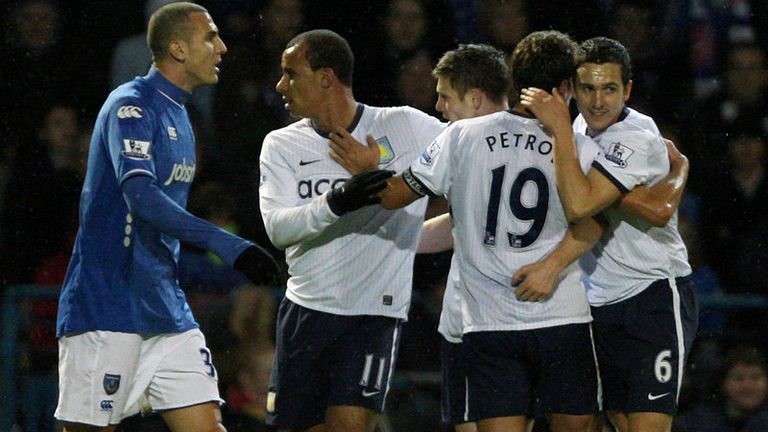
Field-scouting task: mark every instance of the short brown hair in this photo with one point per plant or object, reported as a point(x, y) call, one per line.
point(543, 59)
point(168, 23)
point(475, 66)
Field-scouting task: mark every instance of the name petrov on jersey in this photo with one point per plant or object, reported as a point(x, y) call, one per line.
point(181, 172)
point(309, 188)
point(530, 142)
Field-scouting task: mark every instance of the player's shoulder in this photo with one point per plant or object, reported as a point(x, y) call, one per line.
point(484, 120)
point(131, 100)
point(397, 114)
point(291, 132)
point(634, 127)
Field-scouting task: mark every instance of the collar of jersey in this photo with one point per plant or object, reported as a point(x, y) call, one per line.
point(351, 127)
point(167, 88)
point(520, 113)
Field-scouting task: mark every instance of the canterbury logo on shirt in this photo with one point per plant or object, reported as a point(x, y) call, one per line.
point(129, 111)
point(181, 172)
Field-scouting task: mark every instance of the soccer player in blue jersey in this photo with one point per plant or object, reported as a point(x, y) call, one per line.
point(127, 339)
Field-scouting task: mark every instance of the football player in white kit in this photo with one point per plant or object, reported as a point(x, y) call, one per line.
point(496, 171)
point(472, 80)
point(639, 278)
point(350, 269)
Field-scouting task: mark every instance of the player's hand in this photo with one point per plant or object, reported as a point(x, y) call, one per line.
point(259, 266)
point(535, 282)
point(550, 109)
point(351, 154)
point(359, 191)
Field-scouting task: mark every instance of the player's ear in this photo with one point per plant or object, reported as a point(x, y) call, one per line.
point(566, 89)
point(476, 97)
point(327, 77)
point(177, 49)
point(627, 90)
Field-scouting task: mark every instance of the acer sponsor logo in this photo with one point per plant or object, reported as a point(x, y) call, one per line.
point(129, 111)
point(181, 172)
point(311, 188)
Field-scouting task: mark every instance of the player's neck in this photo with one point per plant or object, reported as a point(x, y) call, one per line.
point(338, 112)
point(493, 108)
point(176, 76)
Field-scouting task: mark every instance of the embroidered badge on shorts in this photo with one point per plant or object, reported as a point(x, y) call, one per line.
point(111, 383)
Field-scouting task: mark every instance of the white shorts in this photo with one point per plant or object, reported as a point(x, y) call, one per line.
point(105, 376)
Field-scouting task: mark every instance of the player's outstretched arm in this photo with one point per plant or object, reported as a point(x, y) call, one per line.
point(259, 266)
point(149, 203)
point(658, 203)
point(537, 281)
point(359, 191)
point(436, 235)
point(351, 154)
point(581, 195)
point(397, 194)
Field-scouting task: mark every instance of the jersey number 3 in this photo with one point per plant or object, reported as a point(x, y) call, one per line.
point(537, 214)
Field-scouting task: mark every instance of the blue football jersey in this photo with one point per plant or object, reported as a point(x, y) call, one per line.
point(122, 275)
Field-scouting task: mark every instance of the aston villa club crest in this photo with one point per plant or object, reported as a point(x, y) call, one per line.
point(618, 154)
point(386, 153)
point(111, 383)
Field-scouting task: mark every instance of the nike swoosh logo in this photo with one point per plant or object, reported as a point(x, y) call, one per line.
point(367, 393)
point(654, 397)
point(302, 163)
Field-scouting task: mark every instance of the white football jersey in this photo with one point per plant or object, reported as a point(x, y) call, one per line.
point(632, 253)
point(450, 316)
point(362, 262)
point(498, 175)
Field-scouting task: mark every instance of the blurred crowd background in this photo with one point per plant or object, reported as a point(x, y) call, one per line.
point(699, 68)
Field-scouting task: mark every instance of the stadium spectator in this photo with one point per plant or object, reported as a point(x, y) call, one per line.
point(739, 399)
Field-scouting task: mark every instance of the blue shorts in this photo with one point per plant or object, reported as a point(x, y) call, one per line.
point(518, 373)
point(642, 346)
point(453, 401)
point(324, 360)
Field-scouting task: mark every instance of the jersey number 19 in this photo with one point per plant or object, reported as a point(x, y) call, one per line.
point(536, 214)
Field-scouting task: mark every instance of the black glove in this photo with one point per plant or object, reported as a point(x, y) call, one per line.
point(259, 266)
point(359, 191)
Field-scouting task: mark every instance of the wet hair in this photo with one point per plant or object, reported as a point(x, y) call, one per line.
point(601, 50)
point(168, 23)
point(475, 66)
point(327, 49)
point(543, 59)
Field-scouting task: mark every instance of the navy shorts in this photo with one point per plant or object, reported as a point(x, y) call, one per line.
point(518, 373)
point(453, 401)
point(642, 346)
point(324, 360)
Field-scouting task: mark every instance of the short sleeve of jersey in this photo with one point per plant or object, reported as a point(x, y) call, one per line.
point(588, 151)
point(129, 134)
point(630, 158)
point(431, 174)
